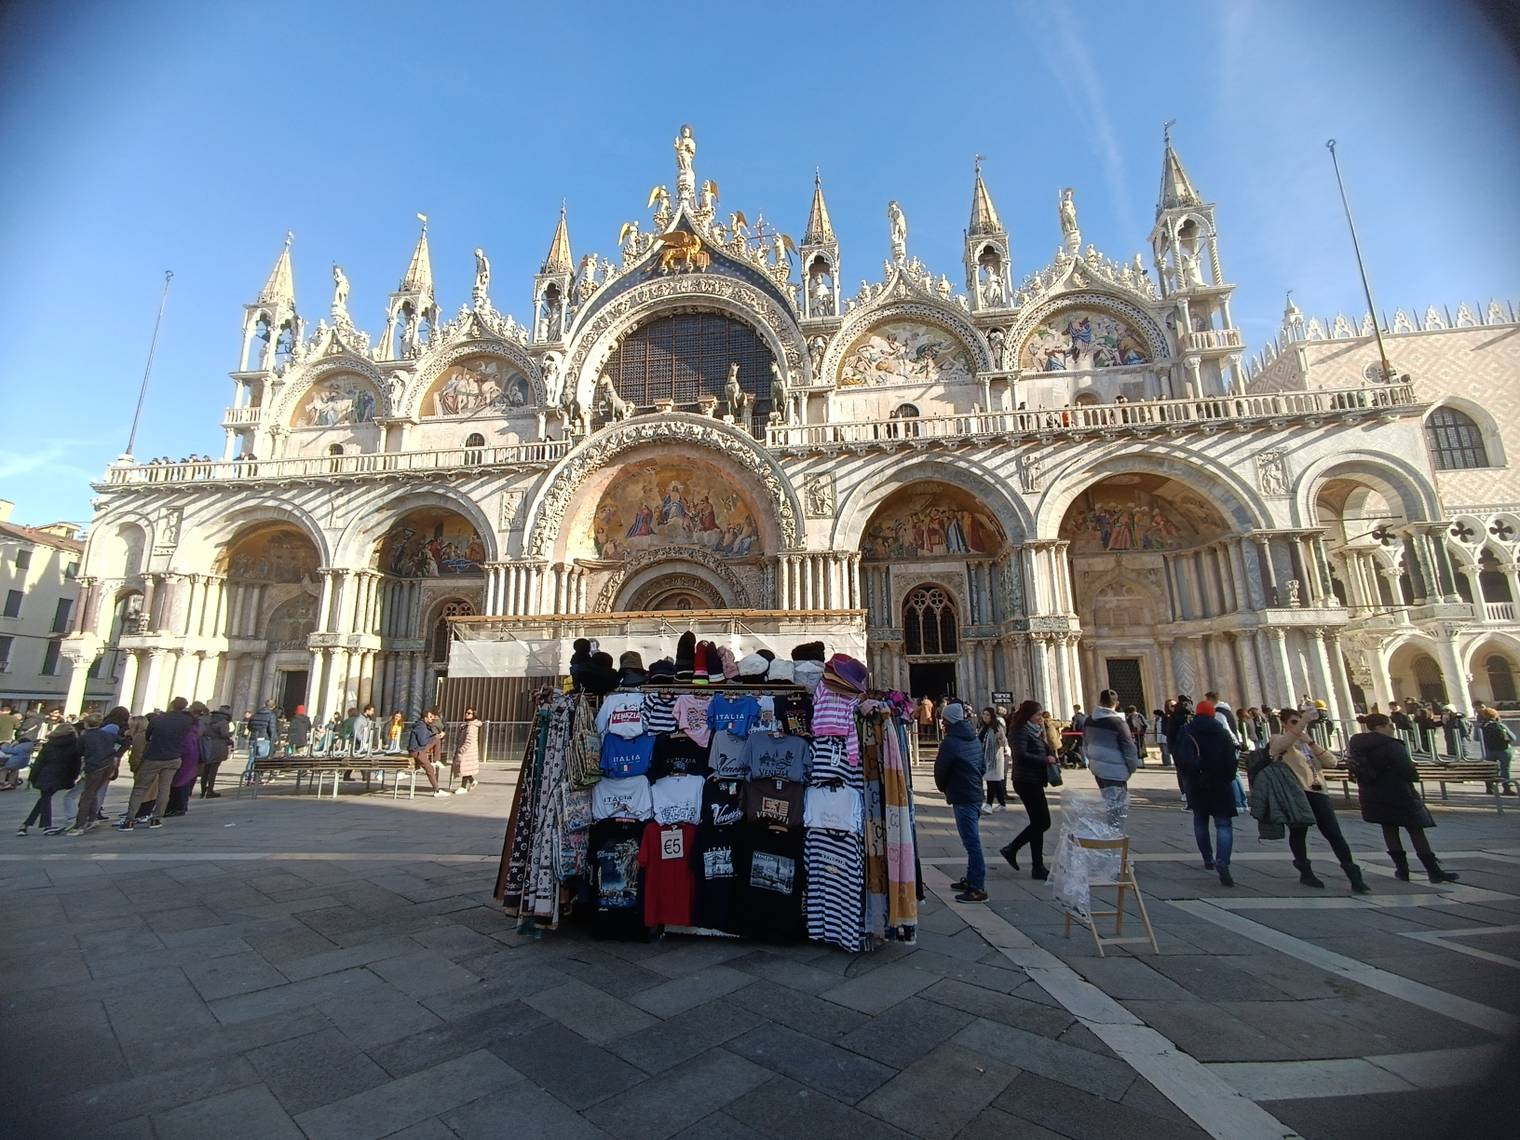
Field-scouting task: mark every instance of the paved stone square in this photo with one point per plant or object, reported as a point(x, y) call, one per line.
point(288, 967)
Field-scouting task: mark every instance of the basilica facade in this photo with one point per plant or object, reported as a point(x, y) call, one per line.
point(1040, 483)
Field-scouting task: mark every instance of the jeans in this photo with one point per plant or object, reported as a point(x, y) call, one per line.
point(1032, 796)
point(1166, 753)
point(1329, 827)
point(154, 779)
point(1117, 800)
point(1224, 834)
point(968, 821)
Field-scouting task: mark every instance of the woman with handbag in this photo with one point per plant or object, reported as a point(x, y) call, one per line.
point(1386, 785)
point(1034, 762)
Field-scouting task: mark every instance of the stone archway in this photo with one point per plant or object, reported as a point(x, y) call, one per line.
point(663, 578)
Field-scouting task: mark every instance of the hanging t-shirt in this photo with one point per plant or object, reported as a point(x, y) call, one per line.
point(678, 755)
point(621, 714)
point(691, 716)
point(834, 898)
point(733, 714)
point(774, 803)
point(769, 899)
point(622, 799)
point(834, 809)
point(729, 756)
point(659, 712)
point(613, 859)
point(678, 799)
point(794, 713)
point(766, 721)
point(715, 862)
point(666, 855)
point(722, 803)
point(776, 757)
point(626, 756)
point(833, 713)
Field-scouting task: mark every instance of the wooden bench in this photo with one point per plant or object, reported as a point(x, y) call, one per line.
point(319, 767)
point(1434, 772)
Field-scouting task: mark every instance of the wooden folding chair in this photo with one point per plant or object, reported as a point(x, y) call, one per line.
point(1125, 881)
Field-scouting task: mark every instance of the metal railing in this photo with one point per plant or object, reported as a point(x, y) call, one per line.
point(1139, 417)
point(501, 743)
point(537, 453)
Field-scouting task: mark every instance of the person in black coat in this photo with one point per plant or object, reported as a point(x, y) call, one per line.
point(1208, 752)
point(1032, 755)
point(216, 746)
point(1386, 784)
point(958, 770)
point(55, 770)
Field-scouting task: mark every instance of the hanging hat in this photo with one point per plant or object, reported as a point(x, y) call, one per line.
point(780, 672)
point(599, 676)
point(844, 674)
point(685, 653)
point(582, 651)
point(808, 651)
point(700, 659)
point(662, 671)
point(631, 660)
point(726, 659)
point(630, 670)
point(767, 654)
point(752, 670)
point(807, 674)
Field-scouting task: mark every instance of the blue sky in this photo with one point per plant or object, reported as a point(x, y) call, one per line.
point(192, 135)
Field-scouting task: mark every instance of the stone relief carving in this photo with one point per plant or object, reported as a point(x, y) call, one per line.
point(1030, 470)
point(640, 561)
point(818, 496)
point(512, 509)
point(1272, 472)
point(952, 320)
point(617, 439)
point(168, 527)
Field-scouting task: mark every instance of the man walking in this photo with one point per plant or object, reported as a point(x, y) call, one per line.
point(958, 770)
point(262, 730)
point(425, 742)
point(160, 763)
point(1111, 754)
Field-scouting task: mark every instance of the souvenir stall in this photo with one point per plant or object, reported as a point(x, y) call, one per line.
point(761, 797)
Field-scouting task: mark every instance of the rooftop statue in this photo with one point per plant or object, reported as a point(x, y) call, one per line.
point(899, 223)
point(686, 175)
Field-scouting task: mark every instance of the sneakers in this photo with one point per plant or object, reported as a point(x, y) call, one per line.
point(20, 831)
point(461, 791)
point(152, 823)
point(970, 896)
point(123, 825)
point(960, 885)
point(53, 831)
point(73, 831)
point(441, 792)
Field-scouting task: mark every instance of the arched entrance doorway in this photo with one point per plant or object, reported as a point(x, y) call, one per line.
point(272, 600)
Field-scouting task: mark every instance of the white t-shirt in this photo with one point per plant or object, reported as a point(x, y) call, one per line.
point(628, 798)
point(622, 714)
point(678, 799)
point(835, 809)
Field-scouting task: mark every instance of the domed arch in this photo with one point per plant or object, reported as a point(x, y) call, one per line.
point(886, 314)
point(1127, 315)
point(548, 512)
point(1399, 481)
point(413, 398)
point(357, 546)
point(118, 547)
point(300, 381)
point(206, 540)
point(641, 581)
point(860, 503)
point(1238, 503)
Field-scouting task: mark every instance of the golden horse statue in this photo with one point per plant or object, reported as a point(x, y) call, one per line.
point(683, 252)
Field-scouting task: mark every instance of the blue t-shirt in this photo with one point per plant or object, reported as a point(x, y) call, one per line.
point(622, 756)
point(733, 714)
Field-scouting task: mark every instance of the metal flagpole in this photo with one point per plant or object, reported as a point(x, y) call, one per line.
point(1356, 246)
point(142, 392)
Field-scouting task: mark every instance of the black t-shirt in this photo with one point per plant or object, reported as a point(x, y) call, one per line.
point(722, 803)
point(714, 860)
point(775, 803)
point(617, 894)
point(769, 895)
point(794, 713)
point(678, 756)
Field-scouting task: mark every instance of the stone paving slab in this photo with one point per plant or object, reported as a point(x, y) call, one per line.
point(353, 980)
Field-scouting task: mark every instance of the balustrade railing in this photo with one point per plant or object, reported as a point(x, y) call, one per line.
point(241, 417)
point(1138, 417)
point(1212, 338)
point(1499, 611)
point(541, 452)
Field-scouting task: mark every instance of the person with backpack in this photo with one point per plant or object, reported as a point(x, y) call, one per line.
point(1111, 754)
point(1210, 755)
point(1386, 785)
point(216, 746)
point(262, 730)
point(1498, 745)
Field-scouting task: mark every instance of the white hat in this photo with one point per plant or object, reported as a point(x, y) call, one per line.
point(752, 668)
point(780, 672)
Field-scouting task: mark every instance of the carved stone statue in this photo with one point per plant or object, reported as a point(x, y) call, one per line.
point(340, 290)
point(992, 288)
point(549, 368)
point(481, 293)
point(778, 390)
point(686, 175)
point(944, 287)
point(620, 408)
point(1192, 272)
point(899, 223)
point(735, 396)
point(817, 346)
point(822, 297)
point(1071, 236)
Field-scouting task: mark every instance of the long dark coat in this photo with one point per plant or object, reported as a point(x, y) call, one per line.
point(1385, 781)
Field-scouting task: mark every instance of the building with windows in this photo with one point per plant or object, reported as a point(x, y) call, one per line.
point(1043, 481)
point(39, 585)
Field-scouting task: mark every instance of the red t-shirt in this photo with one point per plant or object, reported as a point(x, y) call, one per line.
point(666, 856)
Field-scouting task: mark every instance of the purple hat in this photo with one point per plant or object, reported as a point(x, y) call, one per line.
point(844, 674)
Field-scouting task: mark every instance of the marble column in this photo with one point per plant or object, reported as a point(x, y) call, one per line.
point(1268, 571)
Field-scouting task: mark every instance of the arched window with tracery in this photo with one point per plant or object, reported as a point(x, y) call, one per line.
point(930, 627)
point(456, 607)
point(686, 357)
point(474, 447)
point(1455, 440)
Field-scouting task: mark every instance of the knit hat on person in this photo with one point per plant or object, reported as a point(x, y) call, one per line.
point(954, 713)
point(808, 651)
point(1204, 707)
point(686, 650)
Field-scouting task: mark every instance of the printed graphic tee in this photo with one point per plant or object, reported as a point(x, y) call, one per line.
point(666, 855)
point(613, 859)
point(768, 901)
point(717, 840)
point(678, 755)
point(733, 714)
point(773, 803)
point(729, 756)
point(626, 756)
point(776, 757)
point(691, 716)
point(722, 803)
point(622, 714)
point(794, 713)
point(833, 809)
point(625, 799)
point(678, 799)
